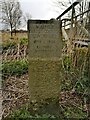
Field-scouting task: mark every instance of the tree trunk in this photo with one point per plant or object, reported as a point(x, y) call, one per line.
point(11, 31)
point(15, 32)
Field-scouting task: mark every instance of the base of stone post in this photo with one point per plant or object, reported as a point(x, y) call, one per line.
point(44, 85)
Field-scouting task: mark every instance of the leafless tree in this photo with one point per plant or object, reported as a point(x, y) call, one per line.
point(62, 4)
point(11, 14)
point(65, 4)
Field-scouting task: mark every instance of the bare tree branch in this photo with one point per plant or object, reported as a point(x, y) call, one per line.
point(65, 4)
point(11, 14)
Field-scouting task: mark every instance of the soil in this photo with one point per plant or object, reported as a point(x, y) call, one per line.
point(15, 93)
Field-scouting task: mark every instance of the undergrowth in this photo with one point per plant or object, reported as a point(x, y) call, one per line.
point(12, 44)
point(74, 77)
point(17, 67)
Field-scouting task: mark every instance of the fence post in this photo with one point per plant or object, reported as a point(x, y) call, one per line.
point(71, 33)
point(73, 12)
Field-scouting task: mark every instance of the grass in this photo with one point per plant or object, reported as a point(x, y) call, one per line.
point(12, 44)
point(7, 38)
point(8, 45)
point(68, 113)
point(74, 75)
point(17, 67)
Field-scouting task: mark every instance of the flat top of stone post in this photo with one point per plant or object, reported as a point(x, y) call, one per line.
point(52, 20)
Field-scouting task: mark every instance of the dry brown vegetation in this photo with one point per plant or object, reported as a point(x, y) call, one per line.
point(6, 36)
point(14, 49)
point(15, 85)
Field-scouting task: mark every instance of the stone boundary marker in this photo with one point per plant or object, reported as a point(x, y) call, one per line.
point(45, 48)
point(44, 39)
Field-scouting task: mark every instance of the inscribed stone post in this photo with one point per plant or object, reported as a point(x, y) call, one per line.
point(45, 48)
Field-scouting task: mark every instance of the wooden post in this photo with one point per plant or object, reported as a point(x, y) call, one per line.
point(73, 12)
point(71, 34)
point(89, 16)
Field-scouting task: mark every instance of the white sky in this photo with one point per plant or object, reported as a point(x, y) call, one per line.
point(39, 9)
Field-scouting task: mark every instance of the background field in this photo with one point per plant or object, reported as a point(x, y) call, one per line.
point(7, 37)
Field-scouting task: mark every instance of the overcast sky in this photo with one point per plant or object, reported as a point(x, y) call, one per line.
point(39, 9)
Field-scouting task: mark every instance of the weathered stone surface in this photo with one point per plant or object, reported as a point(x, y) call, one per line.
point(44, 39)
point(45, 47)
point(44, 79)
